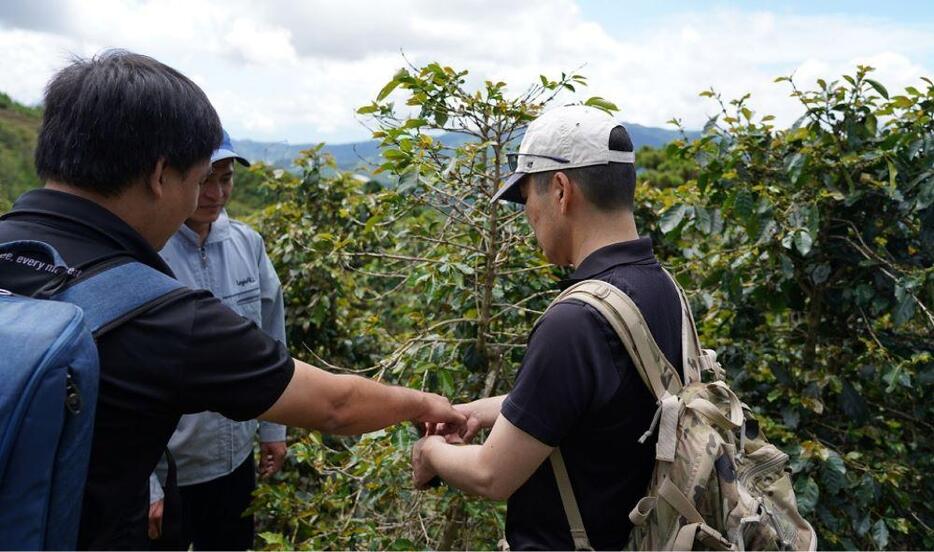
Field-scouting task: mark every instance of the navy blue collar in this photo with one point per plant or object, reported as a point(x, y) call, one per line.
point(87, 219)
point(637, 251)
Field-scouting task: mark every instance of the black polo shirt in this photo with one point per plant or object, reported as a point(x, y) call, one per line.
point(187, 355)
point(577, 388)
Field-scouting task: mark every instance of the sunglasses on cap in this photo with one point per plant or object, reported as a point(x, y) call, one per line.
point(512, 159)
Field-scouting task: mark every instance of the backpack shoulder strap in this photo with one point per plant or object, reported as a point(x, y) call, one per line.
point(696, 359)
point(627, 321)
point(571, 510)
point(653, 367)
point(119, 293)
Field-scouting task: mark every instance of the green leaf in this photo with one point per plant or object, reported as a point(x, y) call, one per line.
point(788, 267)
point(794, 165)
point(672, 218)
point(394, 154)
point(879, 88)
point(880, 534)
point(871, 124)
point(833, 473)
point(600, 103)
point(273, 538)
point(402, 544)
point(387, 90)
point(853, 404)
point(464, 268)
point(447, 382)
point(820, 273)
point(744, 204)
point(702, 220)
point(904, 310)
point(807, 493)
point(368, 109)
point(803, 241)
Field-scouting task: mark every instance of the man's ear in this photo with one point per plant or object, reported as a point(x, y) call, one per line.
point(156, 181)
point(563, 191)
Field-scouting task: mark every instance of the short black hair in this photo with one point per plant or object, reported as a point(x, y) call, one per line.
point(109, 119)
point(609, 187)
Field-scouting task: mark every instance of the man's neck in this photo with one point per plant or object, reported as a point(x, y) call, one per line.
point(200, 228)
point(599, 231)
point(125, 206)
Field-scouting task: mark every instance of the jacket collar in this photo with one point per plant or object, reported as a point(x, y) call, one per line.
point(220, 231)
point(90, 219)
point(637, 251)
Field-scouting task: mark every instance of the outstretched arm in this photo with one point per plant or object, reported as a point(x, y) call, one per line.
point(350, 405)
point(494, 469)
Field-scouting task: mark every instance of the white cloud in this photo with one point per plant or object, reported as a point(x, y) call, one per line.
point(292, 69)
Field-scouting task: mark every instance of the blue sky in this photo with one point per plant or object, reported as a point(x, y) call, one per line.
point(296, 70)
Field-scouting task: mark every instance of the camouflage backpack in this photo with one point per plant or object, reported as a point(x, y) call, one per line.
point(718, 484)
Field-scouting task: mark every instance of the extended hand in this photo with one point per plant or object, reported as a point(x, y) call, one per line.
point(271, 457)
point(437, 410)
point(422, 473)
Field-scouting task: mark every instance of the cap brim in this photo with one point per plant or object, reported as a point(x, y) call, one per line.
point(510, 189)
point(221, 154)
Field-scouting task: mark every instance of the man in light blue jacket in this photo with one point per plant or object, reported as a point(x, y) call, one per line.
point(214, 455)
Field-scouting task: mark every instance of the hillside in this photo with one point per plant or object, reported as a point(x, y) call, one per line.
point(19, 126)
point(356, 155)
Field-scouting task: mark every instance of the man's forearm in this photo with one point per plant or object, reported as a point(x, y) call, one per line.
point(349, 405)
point(369, 406)
point(464, 467)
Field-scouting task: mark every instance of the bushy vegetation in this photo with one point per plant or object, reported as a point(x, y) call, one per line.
point(18, 129)
point(806, 251)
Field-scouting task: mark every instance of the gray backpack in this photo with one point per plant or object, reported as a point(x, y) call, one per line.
point(718, 484)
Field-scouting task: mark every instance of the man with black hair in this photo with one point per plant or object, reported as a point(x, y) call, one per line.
point(577, 388)
point(124, 147)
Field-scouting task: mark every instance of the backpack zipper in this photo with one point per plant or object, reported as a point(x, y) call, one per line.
point(72, 395)
point(769, 465)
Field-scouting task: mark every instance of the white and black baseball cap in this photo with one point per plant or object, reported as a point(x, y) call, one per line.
point(563, 138)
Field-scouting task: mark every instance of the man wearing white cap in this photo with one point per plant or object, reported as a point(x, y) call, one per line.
point(577, 388)
point(214, 455)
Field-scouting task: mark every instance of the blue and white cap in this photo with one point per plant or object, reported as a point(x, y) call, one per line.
point(226, 151)
point(563, 138)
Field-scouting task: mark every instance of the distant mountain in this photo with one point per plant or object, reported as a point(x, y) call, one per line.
point(358, 155)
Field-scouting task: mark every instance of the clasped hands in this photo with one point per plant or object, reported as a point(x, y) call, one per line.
point(478, 415)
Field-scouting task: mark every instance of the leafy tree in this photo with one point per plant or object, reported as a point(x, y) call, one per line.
point(810, 252)
point(806, 252)
point(454, 283)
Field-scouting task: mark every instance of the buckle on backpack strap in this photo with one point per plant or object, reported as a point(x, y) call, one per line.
point(705, 534)
point(711, 538)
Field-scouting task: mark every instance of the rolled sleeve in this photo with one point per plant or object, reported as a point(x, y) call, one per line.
point(270, 432)
point(155, 489)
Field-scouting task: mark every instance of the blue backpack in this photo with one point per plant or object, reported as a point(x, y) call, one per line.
point(48, 386)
